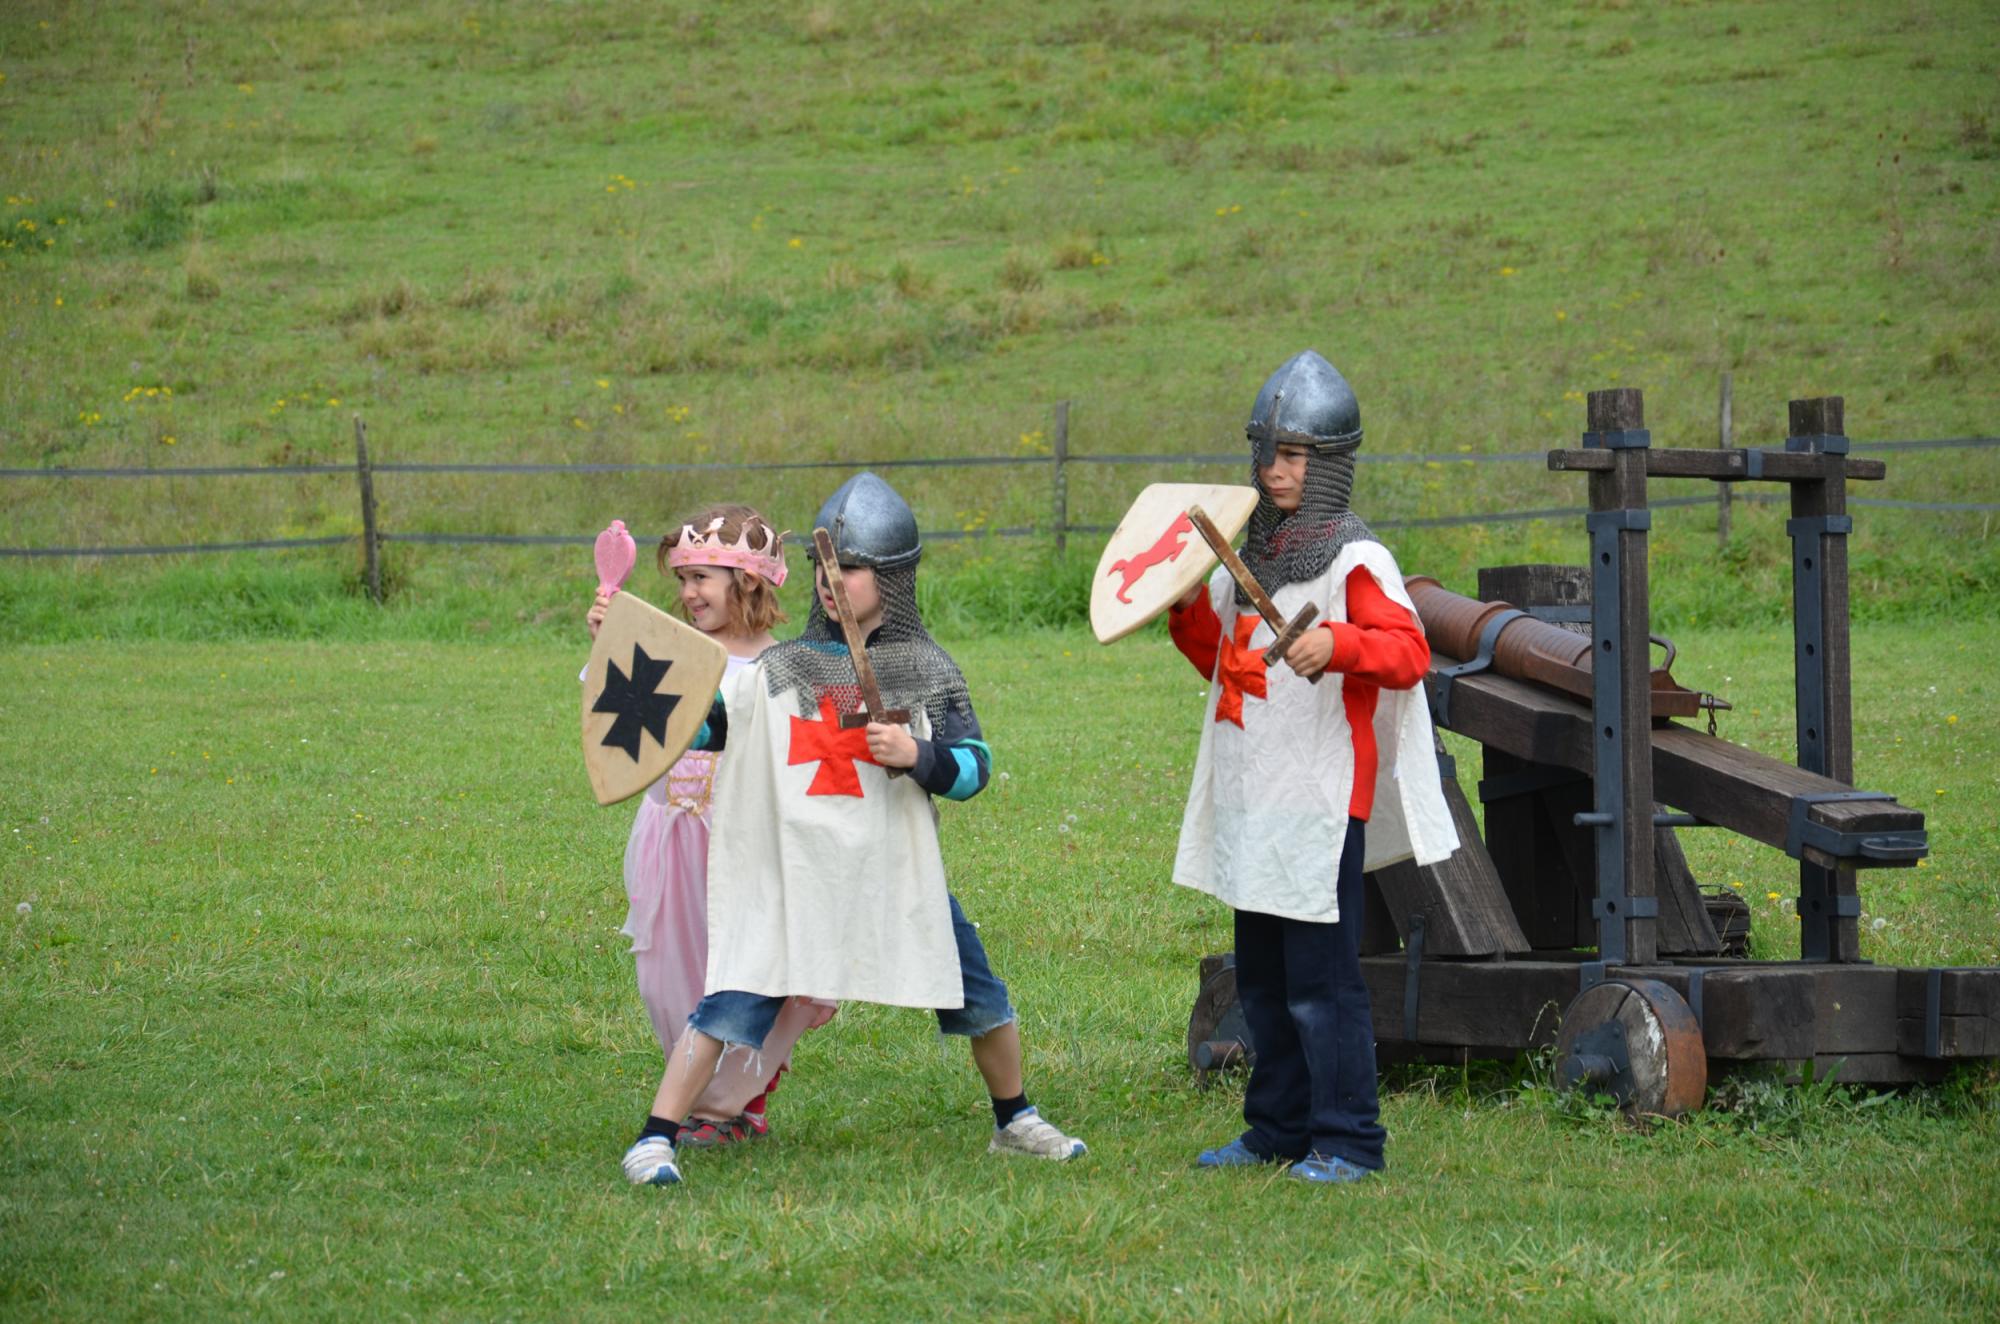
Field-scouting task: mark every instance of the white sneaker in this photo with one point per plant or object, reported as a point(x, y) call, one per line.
point(650, 1162)
point(1029, 1134)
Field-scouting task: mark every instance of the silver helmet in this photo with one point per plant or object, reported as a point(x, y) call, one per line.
point(871, 524)
point(1308, 402)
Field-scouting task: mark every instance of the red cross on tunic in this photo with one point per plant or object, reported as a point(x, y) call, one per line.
point(1240, 671)
point(835, 750)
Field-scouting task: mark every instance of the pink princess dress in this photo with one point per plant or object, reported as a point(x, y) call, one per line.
point(666, 882)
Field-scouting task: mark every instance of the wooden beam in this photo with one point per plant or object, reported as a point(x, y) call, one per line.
point(1465, 909)
point(1721, 465)
point(1725, 784)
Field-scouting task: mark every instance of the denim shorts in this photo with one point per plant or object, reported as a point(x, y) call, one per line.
point(745, 1019)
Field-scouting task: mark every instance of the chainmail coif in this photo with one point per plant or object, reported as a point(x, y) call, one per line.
point(911, 669)
point(1292, 548)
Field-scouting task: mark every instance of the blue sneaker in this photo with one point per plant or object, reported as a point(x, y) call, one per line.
point(1235, 1154)
point(1329, 1170)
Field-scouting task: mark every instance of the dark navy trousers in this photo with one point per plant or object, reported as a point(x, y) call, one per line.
point(1312, 1085)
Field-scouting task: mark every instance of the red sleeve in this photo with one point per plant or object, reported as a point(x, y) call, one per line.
point(1380, 641)
point(1197, 632)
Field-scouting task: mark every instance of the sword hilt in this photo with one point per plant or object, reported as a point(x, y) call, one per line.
point(1287, 632)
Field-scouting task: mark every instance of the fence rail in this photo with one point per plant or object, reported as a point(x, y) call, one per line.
point(371, 537)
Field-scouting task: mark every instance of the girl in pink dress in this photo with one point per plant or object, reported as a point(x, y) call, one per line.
point(729, 563)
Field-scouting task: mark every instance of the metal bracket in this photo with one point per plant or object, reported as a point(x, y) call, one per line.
point(1589, 975)
point(1815, 525)
point(1598, 520)
point(1601, 1059)
point(1447, 766)
point(1624, 439)
point(1413, 962)
point(1695, 978)
point(1887, 847)
point(1753, 464)
point(1839, 907)
point(1442, 678)
point(1632, 907)
point(1817, 443)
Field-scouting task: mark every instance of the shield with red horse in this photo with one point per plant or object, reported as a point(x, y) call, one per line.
point(1155, 555)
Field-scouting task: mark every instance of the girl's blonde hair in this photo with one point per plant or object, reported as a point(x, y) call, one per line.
point(753, 602)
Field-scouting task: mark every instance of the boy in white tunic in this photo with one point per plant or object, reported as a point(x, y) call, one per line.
point(1301, 786)
point(825, 878)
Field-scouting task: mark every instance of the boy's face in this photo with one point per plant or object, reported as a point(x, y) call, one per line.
point(1284, 477)
point(863, 595)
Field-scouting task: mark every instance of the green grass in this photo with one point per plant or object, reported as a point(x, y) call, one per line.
point(320, 1010)
point(846, 232)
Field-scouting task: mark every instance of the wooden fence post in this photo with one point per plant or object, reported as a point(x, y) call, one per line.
point(1724, 439)
point(1060, 459)
point(370, 540)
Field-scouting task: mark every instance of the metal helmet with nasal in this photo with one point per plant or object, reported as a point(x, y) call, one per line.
point(1306, 402)
point(871, 524)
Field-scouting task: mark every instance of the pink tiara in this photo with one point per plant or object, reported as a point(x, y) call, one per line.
point(708, 548)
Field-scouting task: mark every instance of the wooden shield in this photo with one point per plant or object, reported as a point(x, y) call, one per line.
point(1155, 555)
point(647, 692)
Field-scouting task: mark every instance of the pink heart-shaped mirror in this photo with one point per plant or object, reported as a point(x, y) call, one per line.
point(616, 555)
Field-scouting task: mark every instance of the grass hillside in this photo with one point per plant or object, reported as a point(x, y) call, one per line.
point(673, 233)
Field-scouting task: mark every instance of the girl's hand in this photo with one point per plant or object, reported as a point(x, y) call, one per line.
point(892, 746)
point(595, 616)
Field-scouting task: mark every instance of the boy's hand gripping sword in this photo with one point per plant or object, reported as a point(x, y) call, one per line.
point(857, 648)
point(1287, 632)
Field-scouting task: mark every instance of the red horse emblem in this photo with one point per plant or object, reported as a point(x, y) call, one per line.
point(1169, 548)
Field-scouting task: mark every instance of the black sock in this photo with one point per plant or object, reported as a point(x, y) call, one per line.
point(1006, 1110)
point(660, 1126)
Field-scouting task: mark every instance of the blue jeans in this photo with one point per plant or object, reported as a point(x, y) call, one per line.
point(746, 1018)
point(1312, 1083)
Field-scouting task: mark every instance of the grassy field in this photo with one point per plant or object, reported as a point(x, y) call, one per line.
point(318, 1009)
point(641, 231)
point(313, 1003)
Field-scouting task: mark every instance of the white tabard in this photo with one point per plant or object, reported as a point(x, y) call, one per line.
point(815, 891)
point(1267, 816)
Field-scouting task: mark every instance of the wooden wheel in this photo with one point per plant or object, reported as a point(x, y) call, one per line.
point(1218, 1036)
point(1636, 1040)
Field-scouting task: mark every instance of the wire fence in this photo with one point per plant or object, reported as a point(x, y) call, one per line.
point(1059, 527)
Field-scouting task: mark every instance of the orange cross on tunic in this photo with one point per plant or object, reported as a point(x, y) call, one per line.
point(835, 750)
point(1239, 670)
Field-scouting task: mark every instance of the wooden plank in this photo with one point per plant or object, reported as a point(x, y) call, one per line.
point(1720, 465)
point(1726, 784)
point(1856, 1007)
point(1466, 910)
point(1487, 1006)
point(1958, 1036)
point(1532, 586)
point(1750, 1012)
point(1685, 928)
point(1962, 990)
point(1875, 1069)
point(1525, 834)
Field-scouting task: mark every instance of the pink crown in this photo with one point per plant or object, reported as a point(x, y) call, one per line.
point(709, 548)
